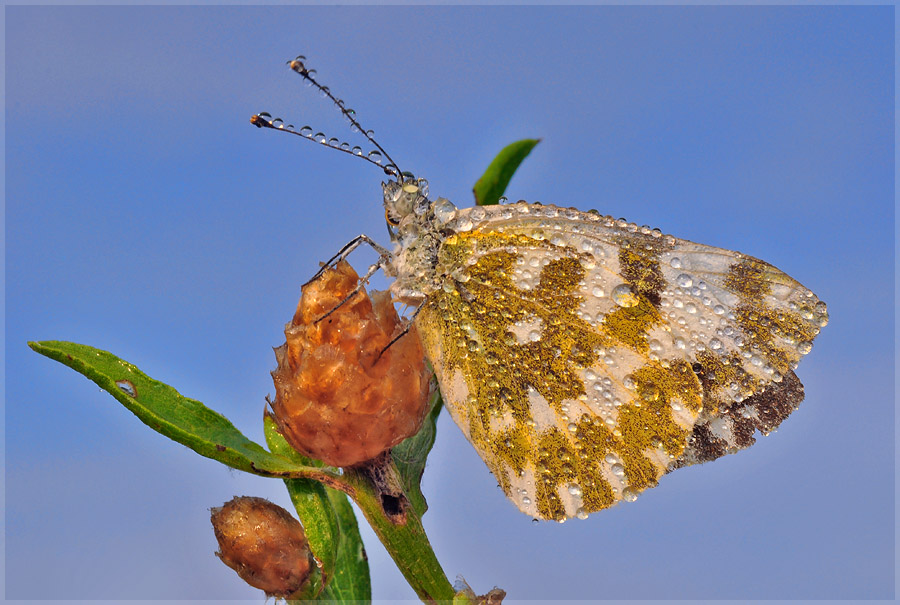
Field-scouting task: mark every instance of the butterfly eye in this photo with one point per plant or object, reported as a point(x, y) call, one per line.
point(390, 220)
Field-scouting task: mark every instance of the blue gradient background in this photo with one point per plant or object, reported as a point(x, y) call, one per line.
point(145, 216)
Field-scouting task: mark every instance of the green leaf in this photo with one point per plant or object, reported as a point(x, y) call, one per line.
point(179, 418)
point(311, 502)
point(493, 182)
point(350, 582)
point(410, 454)
point(330, 526)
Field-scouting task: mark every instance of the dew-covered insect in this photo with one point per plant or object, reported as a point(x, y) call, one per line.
point(585, 356)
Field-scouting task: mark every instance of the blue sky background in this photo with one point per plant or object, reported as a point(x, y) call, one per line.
point(145, 216)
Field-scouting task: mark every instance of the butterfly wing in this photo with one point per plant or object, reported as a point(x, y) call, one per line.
point(585, 357)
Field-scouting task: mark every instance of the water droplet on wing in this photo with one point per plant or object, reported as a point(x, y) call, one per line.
point(623, 296)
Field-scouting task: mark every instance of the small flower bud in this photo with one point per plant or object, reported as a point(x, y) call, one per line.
point(264, 544)
point(340, 397)
point(464, 593)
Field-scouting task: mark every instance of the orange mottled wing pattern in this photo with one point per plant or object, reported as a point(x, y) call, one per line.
point(585, 357)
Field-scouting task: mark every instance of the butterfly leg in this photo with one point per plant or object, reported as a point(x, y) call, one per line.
point(384, 256)
point(406, 327)
point(359, 285)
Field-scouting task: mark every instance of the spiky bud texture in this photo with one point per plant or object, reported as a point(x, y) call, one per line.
point(340, 397)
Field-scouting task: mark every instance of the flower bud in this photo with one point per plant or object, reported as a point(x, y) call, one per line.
point(340, 397)
point(264, 544)
point(465, 594)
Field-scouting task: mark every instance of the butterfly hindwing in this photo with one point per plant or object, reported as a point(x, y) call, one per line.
point(585, 357)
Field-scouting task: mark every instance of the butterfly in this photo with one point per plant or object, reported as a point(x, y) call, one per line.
point(584, 357)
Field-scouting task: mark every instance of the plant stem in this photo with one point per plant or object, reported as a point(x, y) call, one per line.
point(405, 541)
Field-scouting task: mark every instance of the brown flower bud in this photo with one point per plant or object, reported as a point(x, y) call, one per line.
point(494, 596)
point(338, 397)
point(264, 544)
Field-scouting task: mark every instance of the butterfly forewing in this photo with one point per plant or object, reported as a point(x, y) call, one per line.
point(585, 357)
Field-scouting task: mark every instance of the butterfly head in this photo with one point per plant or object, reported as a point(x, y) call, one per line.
point(405, 200)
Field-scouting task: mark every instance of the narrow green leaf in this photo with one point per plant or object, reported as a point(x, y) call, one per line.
point(330, 526)
point(163, 409)
point(311, 502)
point(493, 182)
point(410, 454)
point(350, 583)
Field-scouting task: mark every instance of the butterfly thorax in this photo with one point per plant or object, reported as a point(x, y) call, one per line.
point(415, 224)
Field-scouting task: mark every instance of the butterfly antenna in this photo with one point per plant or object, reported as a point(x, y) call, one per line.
point(299, 65)
point(265, 120)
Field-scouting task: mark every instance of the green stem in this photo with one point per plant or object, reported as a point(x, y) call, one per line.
point(404, 540)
